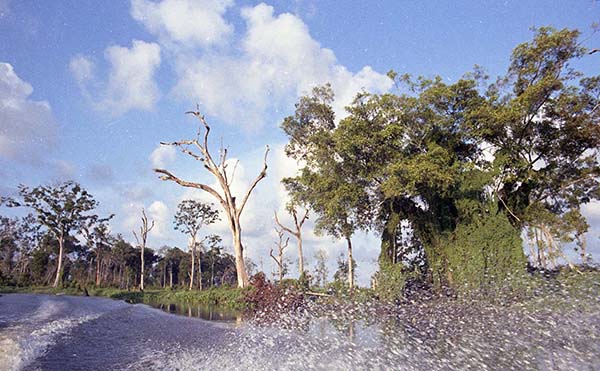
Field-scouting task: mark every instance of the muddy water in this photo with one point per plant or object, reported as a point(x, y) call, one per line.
point(39, 332)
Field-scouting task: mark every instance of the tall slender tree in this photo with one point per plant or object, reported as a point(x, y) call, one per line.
point(191, 216)
point(279, 260)
point(141, 239)
point(296, 232)
point(198, 149)
point(97, 234)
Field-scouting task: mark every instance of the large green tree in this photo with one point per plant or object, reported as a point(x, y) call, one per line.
point(324, 185)
point(433, 164)
point(541, 121)
point(61, 209)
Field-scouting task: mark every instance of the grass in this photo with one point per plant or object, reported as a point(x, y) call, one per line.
point(222, 296)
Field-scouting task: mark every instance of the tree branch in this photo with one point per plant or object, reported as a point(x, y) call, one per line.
point(288, 230)
point(169, 176)
point(260, 177)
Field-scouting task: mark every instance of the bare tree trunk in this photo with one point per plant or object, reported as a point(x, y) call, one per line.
point(200, 271)
point(280, 247)
point(225, 179)
point(59, 267)
point(300, 257)
point(350, 265)
point(97, 269)
point(297, 233)
point(171, 276)
point(240, 266)
point(193, 249)
point(142, 270)
point(141, 240)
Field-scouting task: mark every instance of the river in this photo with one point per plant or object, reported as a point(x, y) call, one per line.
point(43, 332)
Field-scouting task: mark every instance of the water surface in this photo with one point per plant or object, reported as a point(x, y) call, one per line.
point(41, 332)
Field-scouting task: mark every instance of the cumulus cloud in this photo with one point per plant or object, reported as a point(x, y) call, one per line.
point(275, 61)
point(162, 156)
point(159, 212)
point(130, 84)
point(187, 23)
point(27, 127)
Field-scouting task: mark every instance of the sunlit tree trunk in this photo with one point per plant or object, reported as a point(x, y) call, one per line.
point(193, 250)
point(59, 266)
point(141, 240)
point(350, 264)
point(224, 179)
point(297, 233)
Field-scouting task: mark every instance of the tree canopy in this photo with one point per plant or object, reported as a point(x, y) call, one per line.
point(434, 162)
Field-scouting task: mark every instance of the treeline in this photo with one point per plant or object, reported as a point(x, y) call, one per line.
point(63, 242)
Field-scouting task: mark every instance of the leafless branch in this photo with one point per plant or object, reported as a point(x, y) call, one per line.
point(283, 227)
point(260, 177)
point(169, 176)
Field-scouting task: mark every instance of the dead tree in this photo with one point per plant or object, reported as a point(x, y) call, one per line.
point(141, 241)
point(198, 149)
point(280, 247)
point(297, 233)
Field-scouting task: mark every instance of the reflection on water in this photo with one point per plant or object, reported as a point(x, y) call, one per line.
point(204, 311)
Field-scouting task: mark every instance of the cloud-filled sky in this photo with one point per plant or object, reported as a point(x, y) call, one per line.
point(88, 90)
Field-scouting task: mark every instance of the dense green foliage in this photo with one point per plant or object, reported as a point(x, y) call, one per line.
point(451, 174)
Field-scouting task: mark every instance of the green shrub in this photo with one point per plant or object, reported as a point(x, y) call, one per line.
point(484, 256)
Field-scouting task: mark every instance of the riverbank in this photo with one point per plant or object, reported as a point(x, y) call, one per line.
point(226, 297)
point(539, 287)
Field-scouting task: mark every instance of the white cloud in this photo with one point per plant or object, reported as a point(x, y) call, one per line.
point(162, 156)
point(130, 84)
point(187, 23)
point(277, 61)
point(82, 68)
point(27, 127)
point(159, 212)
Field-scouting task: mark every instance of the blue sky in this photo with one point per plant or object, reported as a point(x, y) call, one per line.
point(90, 88)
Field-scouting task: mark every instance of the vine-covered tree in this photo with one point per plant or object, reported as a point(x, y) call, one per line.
point(321, 270)
point(451, 165)
point(191, 216)
point(198, 149)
